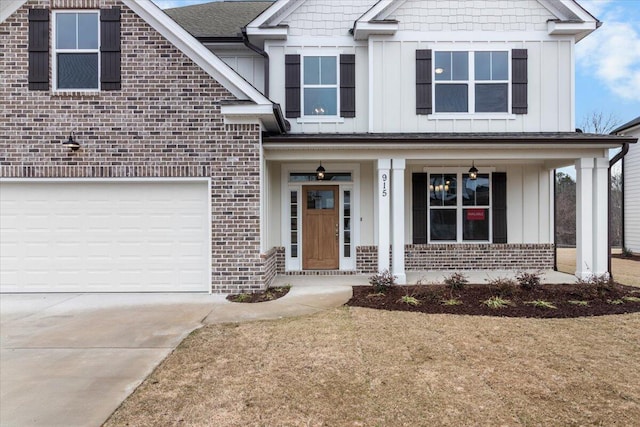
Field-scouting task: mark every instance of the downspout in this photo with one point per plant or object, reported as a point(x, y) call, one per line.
point(261, 52)
point(613, 161)
point(555, 221)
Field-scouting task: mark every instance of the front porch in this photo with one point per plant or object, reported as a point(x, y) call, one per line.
point(415, 277)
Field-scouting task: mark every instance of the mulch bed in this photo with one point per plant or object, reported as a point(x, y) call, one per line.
point(270, 294)
point(600, 301)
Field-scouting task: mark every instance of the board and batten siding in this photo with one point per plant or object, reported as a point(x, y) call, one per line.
point(335, 46)
point(549, 89)
point(250, 67)
point(631, 172)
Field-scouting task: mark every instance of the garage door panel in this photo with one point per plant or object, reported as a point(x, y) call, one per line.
point(104, 237)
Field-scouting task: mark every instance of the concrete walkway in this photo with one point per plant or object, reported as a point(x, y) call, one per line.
point(71, 359)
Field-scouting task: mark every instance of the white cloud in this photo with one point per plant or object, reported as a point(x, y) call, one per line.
point(612, 53)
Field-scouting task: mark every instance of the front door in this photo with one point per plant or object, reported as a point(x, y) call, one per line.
point(320, 228)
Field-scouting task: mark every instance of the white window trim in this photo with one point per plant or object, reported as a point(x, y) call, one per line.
point(471, 84)
point(459, 207)
point(55, 51)
point(345, 264)
point(320, 118)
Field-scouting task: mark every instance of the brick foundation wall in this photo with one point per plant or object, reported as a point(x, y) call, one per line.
point(164, 122)
point(479, 257)
point(273, 264)
point(464, 257)
point(367, 259)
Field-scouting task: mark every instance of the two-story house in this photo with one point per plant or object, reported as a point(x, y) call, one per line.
point(321, 137)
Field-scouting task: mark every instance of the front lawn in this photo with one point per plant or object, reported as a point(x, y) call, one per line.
point(355, 366)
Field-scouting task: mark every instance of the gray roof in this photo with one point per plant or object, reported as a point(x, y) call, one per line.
point(628, 125)
point(218, 18)
point(471, 137)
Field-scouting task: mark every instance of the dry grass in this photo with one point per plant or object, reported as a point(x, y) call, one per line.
point(624, 271)
point(362, 367)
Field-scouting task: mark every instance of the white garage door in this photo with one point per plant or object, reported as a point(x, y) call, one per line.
point(104, 236)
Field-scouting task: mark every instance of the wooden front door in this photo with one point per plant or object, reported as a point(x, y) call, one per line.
point(320, 228)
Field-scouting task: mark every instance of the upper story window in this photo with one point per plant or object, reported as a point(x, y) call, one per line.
point(76, 50)
point(320, 86)
point(471, 82)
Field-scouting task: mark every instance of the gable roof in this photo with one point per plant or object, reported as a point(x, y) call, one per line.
point(572, 19)
point(631, 124)
point(219, 18)
point(260, 106)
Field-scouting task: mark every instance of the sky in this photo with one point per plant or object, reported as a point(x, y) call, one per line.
point(607, 61)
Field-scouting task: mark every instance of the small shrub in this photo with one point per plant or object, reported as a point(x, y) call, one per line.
point(382, 281)
point(241, 297)
point(580, 303)
point(615, 301)
point(542, 304)
point(597, 285)
point(408, 299)
point(452, 301)
point(529, 280)
point(428, 295)
point(503, 286)
point(496, 302)
point(455, 281)
point(631, 299)
point(627, 253)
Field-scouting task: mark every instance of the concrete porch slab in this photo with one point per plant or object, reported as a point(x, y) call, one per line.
point(414, 277)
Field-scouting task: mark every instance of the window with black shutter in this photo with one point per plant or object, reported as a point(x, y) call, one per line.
point(38, 49)
point(85, 52)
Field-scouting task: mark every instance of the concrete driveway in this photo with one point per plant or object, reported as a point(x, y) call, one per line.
point(71, 359)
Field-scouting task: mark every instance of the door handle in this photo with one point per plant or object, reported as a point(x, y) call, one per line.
point(337, 230)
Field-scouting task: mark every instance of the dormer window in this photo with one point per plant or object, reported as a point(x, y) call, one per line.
point(320, 86)
point(471, 82)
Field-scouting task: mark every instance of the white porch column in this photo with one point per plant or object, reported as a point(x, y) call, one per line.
point(601, 216)
point(383, 213)
point(584, 218)
point(397, 208)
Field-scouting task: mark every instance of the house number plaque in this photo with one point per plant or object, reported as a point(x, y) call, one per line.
point(384, 185)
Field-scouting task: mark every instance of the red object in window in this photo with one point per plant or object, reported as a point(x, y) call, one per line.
point(475, 214)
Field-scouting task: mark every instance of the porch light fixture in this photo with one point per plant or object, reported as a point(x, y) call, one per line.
point(71, 143)
point(473, 172)
point(320, 172)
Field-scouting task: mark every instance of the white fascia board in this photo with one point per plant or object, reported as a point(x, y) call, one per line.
point(579, 29)
point(268, 13)
point(9, 7)
point(271, 33)
point(196, 51)
point(363, 30)
point(249, 113)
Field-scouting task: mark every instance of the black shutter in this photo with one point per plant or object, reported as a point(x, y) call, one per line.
point(420, 193)
point(110, 49)
point(348, 85)
point(38, 49)
point(423, 81)
point(499, 206)
point(519, 103)
point(292, 85)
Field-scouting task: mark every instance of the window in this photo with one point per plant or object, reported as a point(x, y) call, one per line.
point(293, 216)
point(459, 208)
point(320, 86)
point(76, 51)
point(471, 82)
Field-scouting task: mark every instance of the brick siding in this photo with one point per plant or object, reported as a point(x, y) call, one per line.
point(479, 257)
point(165, 122)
